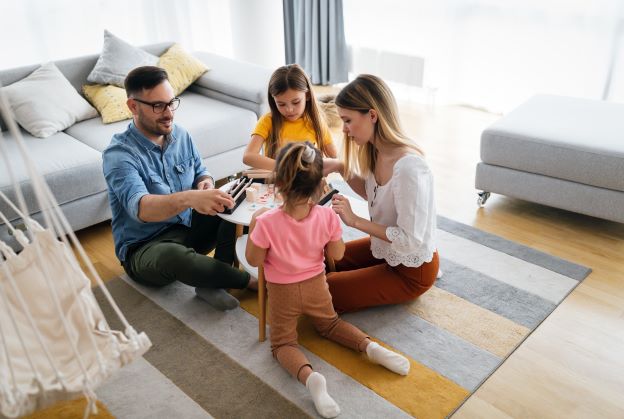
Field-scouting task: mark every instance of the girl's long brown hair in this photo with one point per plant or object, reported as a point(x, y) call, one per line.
point(292, 76)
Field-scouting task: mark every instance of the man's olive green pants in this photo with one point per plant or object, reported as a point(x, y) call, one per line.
point(179, 254)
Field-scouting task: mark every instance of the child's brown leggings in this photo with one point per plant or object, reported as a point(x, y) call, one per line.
point(362, 281)
point(310, 297)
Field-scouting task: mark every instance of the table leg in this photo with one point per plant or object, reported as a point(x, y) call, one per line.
point(262, 304)
point(239, 232)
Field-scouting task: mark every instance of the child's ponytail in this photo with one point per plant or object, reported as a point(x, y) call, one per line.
point(298, 172)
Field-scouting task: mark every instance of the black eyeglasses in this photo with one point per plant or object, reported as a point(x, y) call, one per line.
point(159, 107)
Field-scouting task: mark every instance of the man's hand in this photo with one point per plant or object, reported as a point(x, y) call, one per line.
point(211, 201)
point(205, 184)
point(342, 207)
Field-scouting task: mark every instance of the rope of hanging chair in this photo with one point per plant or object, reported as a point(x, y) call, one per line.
point(41, 255)
point(38, 184)
point(34, 227)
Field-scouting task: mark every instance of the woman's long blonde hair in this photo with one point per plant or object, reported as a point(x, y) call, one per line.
point(292, 76)
point(364, 93)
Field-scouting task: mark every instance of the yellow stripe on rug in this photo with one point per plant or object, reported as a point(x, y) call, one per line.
point(479, 326)
point(423, 393)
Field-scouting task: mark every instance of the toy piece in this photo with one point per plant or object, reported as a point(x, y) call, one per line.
point(257, 173)
point(237, 192)
point(328, 192)
point(250, 194)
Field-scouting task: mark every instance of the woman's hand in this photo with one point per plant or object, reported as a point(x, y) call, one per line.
point(342, 207)
point(332, 165)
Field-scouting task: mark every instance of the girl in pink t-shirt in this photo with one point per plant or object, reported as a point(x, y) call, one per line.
point(291, 241)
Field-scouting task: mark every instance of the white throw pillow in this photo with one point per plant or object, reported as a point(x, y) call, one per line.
point(45, 102)
point(117, 59)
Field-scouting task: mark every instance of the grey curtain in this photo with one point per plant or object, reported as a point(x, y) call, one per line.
point(314, 38)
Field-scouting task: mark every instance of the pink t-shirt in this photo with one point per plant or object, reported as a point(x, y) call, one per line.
point(295, 248)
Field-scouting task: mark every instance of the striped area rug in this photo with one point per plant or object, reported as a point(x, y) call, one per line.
point(206, 363)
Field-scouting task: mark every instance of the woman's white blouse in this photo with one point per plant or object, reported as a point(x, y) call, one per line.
point(406, 206)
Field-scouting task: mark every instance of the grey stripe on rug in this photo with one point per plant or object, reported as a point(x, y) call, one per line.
point(515, 304)
point(436, 348)
point(140, 391)
point(207, 375)
point(553, 263)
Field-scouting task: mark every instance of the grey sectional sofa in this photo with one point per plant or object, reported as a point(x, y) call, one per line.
point(219, 110)
point(559, 151)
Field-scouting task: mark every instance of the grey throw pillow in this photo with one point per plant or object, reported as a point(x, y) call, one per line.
point(45, 102)
point(117, 59)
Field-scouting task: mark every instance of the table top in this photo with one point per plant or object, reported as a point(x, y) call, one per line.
point(242, 214)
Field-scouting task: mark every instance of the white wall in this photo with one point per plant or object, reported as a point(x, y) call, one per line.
point(495, 54)
point(258, 31)
point(36, 31)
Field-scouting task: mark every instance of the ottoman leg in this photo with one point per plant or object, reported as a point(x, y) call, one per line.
point(483, 196)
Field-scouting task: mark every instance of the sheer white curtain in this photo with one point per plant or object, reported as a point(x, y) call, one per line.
point(495, 54)
point(35, 31)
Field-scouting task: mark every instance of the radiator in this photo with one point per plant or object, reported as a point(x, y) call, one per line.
point(390, 66)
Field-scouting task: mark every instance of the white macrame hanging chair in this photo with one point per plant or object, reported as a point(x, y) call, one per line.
point(55, 343)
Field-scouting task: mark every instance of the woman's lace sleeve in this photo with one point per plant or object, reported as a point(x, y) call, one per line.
point(413, 192)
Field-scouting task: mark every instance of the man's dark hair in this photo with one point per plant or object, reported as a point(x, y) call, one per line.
point(146, 77)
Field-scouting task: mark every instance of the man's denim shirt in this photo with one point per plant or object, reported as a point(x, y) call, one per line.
point(134, 167)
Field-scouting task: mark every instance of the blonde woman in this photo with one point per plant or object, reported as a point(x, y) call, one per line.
point(398, 261)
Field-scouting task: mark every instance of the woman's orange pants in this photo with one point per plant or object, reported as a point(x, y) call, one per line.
point(362, 281)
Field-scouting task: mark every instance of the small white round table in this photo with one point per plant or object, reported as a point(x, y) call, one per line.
point(242, 214)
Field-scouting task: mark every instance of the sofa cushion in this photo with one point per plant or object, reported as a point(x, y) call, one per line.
point(223, 70)
point(109, 100)
point(71, 169)
point(209, 121)
point(182, 68)
point(567, 138)
point(116, 60)
point(44, 102)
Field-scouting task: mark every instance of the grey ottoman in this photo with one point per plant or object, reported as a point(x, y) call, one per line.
point(558, 151)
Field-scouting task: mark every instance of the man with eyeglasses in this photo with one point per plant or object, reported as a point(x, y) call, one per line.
point(163, 199)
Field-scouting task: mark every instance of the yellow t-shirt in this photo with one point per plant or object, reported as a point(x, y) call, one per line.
point(292, 131)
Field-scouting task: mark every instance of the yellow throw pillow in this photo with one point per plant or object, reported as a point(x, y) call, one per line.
point(109, 100)
point(182, 67)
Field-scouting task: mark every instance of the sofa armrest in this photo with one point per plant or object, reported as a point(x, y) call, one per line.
point(233, 81)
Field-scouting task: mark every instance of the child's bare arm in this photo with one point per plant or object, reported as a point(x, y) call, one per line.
point(335, 249)
point(331, 150)
point(252, 156)
point(255, 255)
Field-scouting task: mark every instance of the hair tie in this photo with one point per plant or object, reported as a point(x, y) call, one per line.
point(308, 154)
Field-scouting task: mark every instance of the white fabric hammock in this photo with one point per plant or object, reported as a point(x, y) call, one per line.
point(55, 343)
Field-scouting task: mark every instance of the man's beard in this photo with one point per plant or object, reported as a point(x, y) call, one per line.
point(155, 128)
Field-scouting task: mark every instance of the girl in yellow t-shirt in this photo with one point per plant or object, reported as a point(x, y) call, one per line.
point(294, 116)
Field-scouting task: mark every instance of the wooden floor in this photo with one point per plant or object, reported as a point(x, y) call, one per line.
point(572, 365)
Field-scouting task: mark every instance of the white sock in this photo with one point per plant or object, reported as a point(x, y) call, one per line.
point(391, 360)
point(325, 405)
